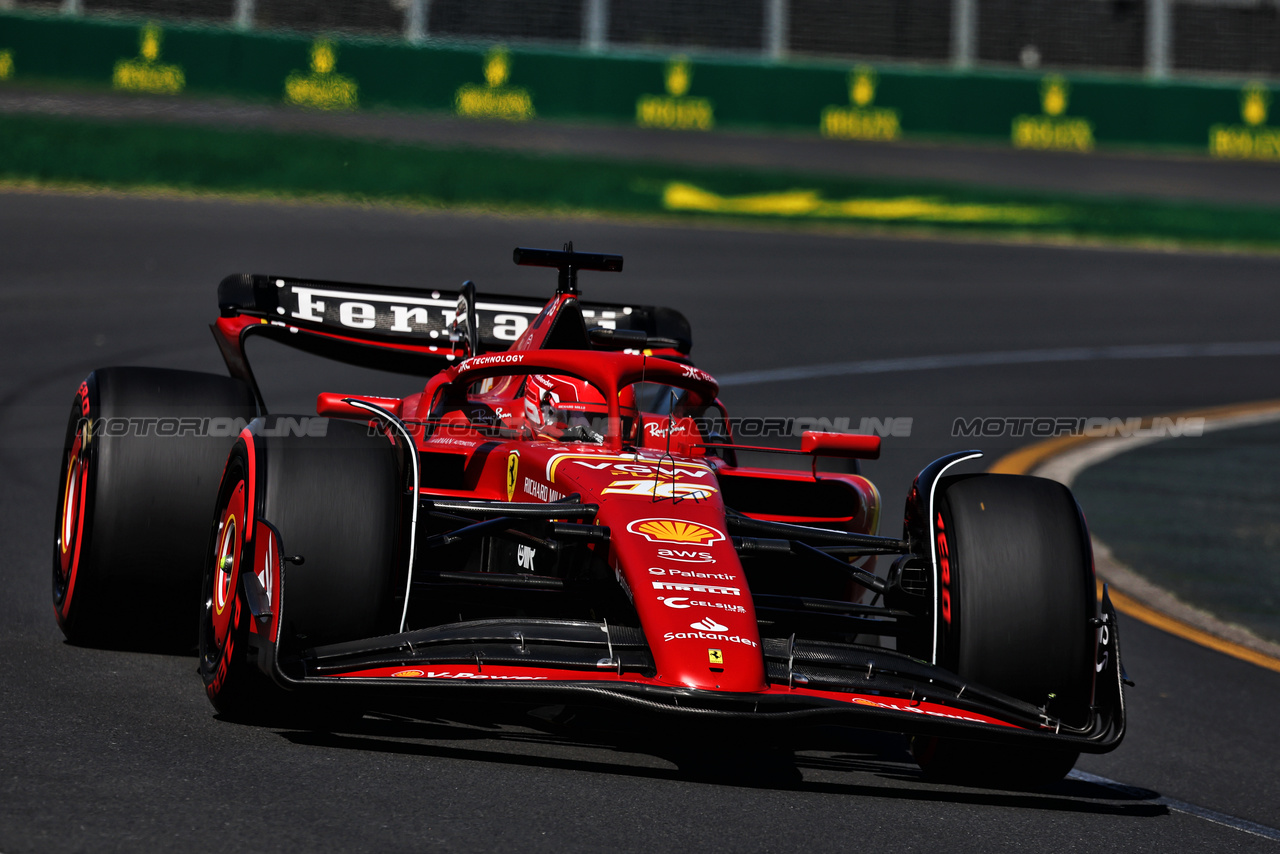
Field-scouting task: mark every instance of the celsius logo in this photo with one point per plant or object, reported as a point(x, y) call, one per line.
point(708, 625)
point(675, 531)
point(686, 555)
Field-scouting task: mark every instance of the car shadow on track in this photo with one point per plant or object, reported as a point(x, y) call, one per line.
point(879, 763)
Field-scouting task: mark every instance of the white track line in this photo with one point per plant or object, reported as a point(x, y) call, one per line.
point(1182, 806)
point(1004, 357)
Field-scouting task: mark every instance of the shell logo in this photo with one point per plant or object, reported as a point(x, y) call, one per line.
point(675, 531)
point(408, 673)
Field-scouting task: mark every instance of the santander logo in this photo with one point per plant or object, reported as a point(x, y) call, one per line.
point(708, 625)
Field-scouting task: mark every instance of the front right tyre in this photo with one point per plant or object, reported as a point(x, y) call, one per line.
point(1017, 594)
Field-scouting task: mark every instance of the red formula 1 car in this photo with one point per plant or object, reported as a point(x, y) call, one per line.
point(560, 515)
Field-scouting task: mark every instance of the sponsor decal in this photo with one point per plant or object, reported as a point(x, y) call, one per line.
point(708, 625)
point(944, 571)
point(682, 602)
point(541, 491)
point(709, 636)
point(485, 361)
point(686, 556)
point(524, 557)
point(446, 674)
point(658, 429)
point(676, 110)
point(408, 673)
point(1053, 129)
point(715, 656)
point(697, 588)
point(323, 88)
point(860, 120)
point(693, 373)
point(1253, 139)
point(630, 464)
point(513, 467)
point(495, 99)
point(675, 531)
point(916, 710)
point(146, 73)
point(663, 468)
point(399, 313)
point(659, 489)
point(689, 573)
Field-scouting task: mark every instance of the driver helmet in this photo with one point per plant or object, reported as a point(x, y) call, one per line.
point(570, 409)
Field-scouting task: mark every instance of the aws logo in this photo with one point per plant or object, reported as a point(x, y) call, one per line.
point(675, 531)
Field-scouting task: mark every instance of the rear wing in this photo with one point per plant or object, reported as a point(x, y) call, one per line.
point(404, 330)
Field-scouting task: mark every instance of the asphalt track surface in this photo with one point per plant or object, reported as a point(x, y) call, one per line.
point(116, 751)
point(1110, 173)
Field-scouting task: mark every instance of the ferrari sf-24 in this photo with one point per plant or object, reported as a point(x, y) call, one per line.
point(562, 514)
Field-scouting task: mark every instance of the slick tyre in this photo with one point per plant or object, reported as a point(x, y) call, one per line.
point(1016, 599)
point(336, 496)
point(142, 455)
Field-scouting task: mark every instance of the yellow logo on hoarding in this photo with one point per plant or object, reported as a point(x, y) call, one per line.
point(322, 87)
point(1252, 140)
point(513, 467)
point(675, 531)
point(6, 64)
point(1254, 101)
point(495, 99)
point(146, 73)
point(861, 120)
point(678, 77)
point(1053, 130)
point(675, 111)
point(1053, 96)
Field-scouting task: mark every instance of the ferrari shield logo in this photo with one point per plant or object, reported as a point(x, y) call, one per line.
point(715, 656)
point(513, 465)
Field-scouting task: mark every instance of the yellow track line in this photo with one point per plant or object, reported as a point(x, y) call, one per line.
point(1024, 460)
point(1152, 617)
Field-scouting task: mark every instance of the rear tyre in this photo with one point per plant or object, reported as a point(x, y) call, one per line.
point(1017, 593)
point(336, 495)
point(143, 452)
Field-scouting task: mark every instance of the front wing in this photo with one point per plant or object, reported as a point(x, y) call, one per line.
point(566, 662)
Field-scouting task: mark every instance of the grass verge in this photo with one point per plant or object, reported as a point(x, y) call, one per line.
point(119, 155)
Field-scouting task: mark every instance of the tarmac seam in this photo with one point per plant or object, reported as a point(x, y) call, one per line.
point(1181, 806)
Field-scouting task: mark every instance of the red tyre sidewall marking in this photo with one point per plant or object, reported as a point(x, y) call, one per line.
point(77, 468)
point(230, 545)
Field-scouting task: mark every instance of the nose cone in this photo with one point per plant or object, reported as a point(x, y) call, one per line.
point(690, 591)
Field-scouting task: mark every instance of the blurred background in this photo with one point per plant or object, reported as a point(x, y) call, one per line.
point(1152, 37)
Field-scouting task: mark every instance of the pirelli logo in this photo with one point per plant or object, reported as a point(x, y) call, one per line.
point(696, 588)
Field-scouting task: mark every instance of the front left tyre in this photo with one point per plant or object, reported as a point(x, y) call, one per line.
point(142, 456)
